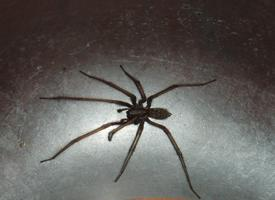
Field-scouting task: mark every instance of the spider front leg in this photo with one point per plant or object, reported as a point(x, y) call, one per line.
point(178, 151)
point(168, 89)
point(104, 126)
point(131, 150)
point(111, 84)
point(138, 85)
point(69, 98)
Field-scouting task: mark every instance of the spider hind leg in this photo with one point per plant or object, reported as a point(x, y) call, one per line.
point(178, 151)
point(131, 150)
point(104, 126)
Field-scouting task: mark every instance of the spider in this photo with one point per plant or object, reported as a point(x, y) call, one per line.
point(136, 114)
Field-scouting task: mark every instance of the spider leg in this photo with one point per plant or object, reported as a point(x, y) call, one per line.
point(121, 103)
point(104, 126)
point(178, 151)
point(131, 150)
point(150, 98)
point(121, 126)
point(122, 109)
point(138, 85)
point(111, 84)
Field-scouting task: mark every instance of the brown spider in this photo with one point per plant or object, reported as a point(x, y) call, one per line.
point(136, 114)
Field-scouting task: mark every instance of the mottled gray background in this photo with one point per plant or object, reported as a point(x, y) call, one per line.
point(225, 130)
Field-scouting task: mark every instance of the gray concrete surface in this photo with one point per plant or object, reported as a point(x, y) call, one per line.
point(225, 130)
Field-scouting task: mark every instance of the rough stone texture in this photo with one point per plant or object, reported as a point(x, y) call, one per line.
point(225, 130)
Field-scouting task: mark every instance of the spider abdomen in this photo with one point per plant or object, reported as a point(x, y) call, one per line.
point(158, 113)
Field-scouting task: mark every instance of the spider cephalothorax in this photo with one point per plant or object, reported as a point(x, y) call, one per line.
point(136, 114)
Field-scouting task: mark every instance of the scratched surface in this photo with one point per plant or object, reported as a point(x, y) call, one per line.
point(225, 129)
